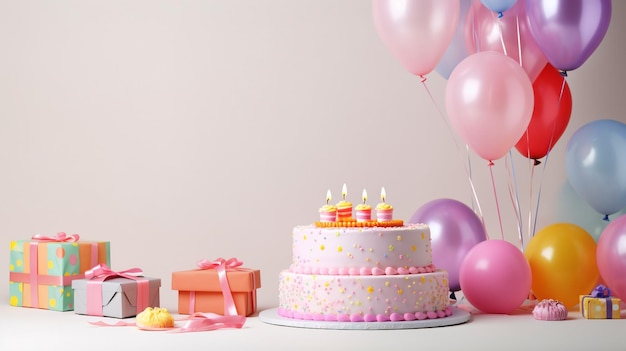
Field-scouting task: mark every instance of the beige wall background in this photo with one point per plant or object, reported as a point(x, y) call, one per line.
point(182, 130)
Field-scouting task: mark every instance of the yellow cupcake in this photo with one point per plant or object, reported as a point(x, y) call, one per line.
point(155, 318)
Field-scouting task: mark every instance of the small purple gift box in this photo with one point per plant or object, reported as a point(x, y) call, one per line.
point(600, 304)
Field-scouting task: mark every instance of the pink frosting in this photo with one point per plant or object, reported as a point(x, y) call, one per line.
point(393, 317)
point(550, 310)
point(363, 270)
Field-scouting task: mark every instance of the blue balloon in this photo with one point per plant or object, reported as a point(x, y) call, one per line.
point(571, 208)
point(595, 161)
point(498, 6)
point(457, 50)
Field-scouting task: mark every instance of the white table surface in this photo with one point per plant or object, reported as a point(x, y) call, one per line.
point(34, 329)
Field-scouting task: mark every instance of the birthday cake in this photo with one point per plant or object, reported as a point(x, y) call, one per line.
point(363, 269)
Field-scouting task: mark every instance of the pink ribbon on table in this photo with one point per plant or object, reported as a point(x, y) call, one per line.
point(220, 265)
point(196, 322)
point(102, 272)
point(34, 253)
point(210, 321)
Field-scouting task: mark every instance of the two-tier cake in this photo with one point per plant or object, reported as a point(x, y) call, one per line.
point(362, 270)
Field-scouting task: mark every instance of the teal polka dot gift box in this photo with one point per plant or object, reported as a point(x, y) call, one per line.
point(41, 270)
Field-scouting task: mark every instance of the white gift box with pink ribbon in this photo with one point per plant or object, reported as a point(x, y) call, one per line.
point(107, 293)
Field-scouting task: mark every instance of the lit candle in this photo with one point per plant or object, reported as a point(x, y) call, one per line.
point(344, 207)
point(384, 211)
point(328, 212)
point(364, 211)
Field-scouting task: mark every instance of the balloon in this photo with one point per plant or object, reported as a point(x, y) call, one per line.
point(454, 230)
point(562, 258)
point(457, 50)
point(416, 32)
point(498, 6)
point(495, 277)
point(489, 100)
point(571, 208)
point(550, 116)
point(595, 164)
point(509, 34)
point(611, 256)
point(568, 31)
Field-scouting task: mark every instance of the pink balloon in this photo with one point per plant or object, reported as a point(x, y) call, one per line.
point(611, 256)
point(486, 32)
point(490, 101)
point(495, 277)
point(416, 32)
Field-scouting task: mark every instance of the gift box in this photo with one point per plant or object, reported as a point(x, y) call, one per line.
point(42, 269)
point(600, 304)
point(115, 294)
point(221, 287)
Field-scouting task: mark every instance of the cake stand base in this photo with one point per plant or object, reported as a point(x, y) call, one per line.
point(458, 316)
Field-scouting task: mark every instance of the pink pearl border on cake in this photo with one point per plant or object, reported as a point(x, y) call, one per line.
point(394, 317)
point(364, 270)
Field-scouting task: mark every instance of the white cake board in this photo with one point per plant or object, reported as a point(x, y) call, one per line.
point(458, 316)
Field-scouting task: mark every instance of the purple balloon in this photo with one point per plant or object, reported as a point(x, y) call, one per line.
point(568, 31)
point(454, 230)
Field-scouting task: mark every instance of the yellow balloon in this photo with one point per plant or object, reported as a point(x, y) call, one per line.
point(562, 260)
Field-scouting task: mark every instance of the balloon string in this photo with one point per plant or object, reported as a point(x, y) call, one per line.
point(562, 89)
point(547, 156)
point(543, 170)
point(480, 211)
point(531, 233)
point(531, 167)
point(469, 171)
point(493, 183)
point(474, 34)
point(519, 41)
point(521, 63)
point(514, 197)
point(501, 37)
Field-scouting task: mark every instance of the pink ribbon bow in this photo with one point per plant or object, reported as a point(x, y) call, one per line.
point(220, 265)
point(59, 237)
point(230, 263)
point(102, 272)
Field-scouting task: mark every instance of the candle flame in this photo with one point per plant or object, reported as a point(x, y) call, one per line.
point(344, 192)
point(383, 194)
point(364, 196)
point(328, 197)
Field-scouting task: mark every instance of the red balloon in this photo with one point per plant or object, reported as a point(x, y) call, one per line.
point(550, 116)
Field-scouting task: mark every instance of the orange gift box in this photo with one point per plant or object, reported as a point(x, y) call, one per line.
point(200, 290)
